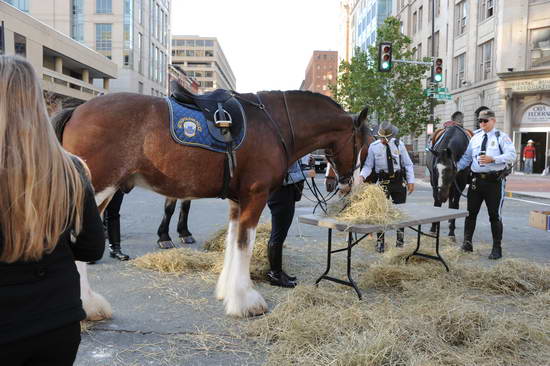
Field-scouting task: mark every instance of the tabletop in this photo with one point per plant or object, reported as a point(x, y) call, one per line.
point(413, 214)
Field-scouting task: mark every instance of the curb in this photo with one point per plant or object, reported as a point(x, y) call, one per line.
point(511, 194)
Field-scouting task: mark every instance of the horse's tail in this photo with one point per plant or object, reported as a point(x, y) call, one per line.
point(59, 121)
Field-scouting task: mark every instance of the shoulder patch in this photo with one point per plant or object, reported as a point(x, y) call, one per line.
point(506, 139)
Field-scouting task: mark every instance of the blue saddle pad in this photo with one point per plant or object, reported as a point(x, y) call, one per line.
point(189, 126)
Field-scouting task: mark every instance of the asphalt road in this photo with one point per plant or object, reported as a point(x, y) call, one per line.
point(163, 319)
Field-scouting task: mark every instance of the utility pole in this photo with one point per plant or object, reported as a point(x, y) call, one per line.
point(432, 107)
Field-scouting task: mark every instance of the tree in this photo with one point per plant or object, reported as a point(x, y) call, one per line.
point(396, 96)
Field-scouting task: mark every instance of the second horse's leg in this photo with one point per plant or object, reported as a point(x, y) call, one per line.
point(183, 230)
point(164, 241)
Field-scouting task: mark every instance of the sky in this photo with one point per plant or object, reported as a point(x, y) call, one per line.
point(268, 43)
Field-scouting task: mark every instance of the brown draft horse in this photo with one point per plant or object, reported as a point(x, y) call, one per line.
point(125, 140)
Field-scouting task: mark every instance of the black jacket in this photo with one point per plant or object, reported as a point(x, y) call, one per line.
point(36, 297)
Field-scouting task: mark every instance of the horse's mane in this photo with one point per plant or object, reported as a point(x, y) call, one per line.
point(447, 135)
point(308, 93)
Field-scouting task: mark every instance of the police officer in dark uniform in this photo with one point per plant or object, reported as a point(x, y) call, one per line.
point(393, 169)
point(111, 221)
point(489, 153)
point(282, 203)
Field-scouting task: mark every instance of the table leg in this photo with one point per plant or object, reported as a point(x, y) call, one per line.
point(436, 237)
point(351, 281)
point(329, 253)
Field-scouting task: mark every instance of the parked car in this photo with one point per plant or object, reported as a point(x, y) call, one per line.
point(320, 160)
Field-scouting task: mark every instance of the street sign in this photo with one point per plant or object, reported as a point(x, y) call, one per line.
point(442, 90)
point(443, 96)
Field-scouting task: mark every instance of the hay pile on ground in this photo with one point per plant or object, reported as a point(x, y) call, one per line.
point(417, 314)
point(366, 204)
point(187, 260)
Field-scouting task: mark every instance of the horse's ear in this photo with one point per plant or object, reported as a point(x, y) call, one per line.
point(361, 118)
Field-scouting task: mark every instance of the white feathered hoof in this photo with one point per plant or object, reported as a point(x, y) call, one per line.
point(250, 303)
point(96, 307)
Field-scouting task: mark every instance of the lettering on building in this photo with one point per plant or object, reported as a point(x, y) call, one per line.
point(538, 113)
point(529, 85)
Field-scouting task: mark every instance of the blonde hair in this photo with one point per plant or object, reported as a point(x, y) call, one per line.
point(41, 188)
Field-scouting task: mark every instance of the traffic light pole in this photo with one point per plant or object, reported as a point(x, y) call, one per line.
point(432, 107)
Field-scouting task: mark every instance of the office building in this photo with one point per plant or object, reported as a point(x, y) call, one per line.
point(496, 55)
point(134, 34)
point(202, 58)
point(66, 68)
point(321, 72)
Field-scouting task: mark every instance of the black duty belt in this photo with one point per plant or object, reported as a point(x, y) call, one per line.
point(488, 176)
point(386, 177)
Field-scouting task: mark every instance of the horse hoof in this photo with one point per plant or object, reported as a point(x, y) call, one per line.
point(166, 244)
point(96, 307)
point(452, 238)
point(188, 239)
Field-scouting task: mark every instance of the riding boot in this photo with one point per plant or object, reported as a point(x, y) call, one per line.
point(469, 228)
point(380, 243)
point(496, 252)
point(276, 275)
point(400, 238)
point(113, 231)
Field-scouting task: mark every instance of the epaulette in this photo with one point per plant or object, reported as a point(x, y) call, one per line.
point(375, 142)
point(478, 131)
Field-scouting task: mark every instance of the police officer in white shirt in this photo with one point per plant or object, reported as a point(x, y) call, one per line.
point(489, 155)
point(393, 170)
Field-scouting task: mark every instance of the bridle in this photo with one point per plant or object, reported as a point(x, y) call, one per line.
point(345, 178)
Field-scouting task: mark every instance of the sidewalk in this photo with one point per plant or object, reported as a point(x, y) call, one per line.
point(517, 185)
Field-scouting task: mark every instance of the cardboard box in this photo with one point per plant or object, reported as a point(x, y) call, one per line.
point(540, 220)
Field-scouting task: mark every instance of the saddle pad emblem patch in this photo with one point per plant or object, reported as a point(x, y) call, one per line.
point(189, 126)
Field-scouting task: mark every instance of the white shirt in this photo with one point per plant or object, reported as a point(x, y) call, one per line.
point(471, 155)
point(376, 158)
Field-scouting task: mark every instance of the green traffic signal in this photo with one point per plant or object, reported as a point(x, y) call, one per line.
point(385, 65)
point(438, 78)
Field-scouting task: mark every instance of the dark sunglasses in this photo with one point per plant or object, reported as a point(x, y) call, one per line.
point(483, 120)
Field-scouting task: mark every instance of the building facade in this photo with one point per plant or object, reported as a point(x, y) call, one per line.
point(202, 58)
point(321, 71)
point(176, 73)
point(363, 18)
point(66, 68)
point(134, 34)
point(497, 56)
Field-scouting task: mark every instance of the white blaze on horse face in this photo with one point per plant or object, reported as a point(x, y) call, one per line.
point(356, 177)
point(440, 169)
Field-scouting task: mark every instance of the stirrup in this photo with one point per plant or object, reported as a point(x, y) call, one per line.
point(222, 123)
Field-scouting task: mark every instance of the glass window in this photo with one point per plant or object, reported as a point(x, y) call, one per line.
point(20, 44)
point(420, 18)
point(199, 53)
point(103, 6)
point(485, 60)
point(199, 43)
point(437, 7)
point(22, 5)
point(486, 9)
point(415, 21)
point(2, 46)
point(430, 6)
point(190, 53)
point(460, 68)
point(419, 51)
point(540, 47)
point(461, 16)
point(208, 74)
point(77, 20)
point(140, 52)
point(139, 7)
point(128, 51)
point(209, 43)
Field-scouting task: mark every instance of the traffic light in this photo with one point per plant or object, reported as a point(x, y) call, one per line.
point(437, 72)
point(384, 57)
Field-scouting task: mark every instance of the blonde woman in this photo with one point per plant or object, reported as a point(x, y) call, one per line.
point(45, 200)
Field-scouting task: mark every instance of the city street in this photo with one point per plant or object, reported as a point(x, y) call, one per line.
point(164, 319)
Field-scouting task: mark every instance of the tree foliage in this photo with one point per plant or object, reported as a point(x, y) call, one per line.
point(396, 96)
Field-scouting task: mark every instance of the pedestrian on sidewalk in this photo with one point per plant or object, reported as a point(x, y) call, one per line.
point(529, 156)
point(489, 153)
point(48, 219)
point(394, 171)
point(282, 203)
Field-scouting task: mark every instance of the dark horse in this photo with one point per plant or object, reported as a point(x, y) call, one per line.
point(448, 147)
point(125, 140)
point(165, 241)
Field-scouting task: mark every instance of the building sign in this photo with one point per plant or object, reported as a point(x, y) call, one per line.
point(538, 113)
point(528, 85)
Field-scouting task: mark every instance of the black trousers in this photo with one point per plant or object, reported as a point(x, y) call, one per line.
point(57, 347)
point(492, 192)
point(112, 211)
point(281, 203)
point(397, 197)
